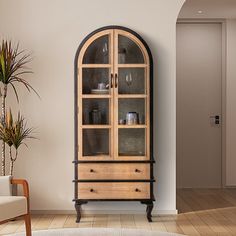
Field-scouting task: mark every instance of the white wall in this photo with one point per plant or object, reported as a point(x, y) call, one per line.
point(230, 102)
point(53, 30)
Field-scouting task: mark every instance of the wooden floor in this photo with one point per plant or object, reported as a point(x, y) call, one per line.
point(201, 212)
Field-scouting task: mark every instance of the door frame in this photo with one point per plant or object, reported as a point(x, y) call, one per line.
point(223, 87)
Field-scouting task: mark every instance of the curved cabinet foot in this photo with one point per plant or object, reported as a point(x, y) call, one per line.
point(78, 204)
point(148, 209)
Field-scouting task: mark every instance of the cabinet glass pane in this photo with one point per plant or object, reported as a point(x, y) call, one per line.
point(128, 51)
point(95, 111)
point(131, 81)
point(131, 142)
point(98, 51)
point(92, 78)
point(132, 105)
point(95, 142)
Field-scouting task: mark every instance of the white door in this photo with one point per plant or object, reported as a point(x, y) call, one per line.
point(199, 76)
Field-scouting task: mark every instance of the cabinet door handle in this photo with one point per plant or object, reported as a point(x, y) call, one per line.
point(91, 170)
point(111, 80)
point(91, 190)
point(137, 170)
point(116, 80)
point(137, 190)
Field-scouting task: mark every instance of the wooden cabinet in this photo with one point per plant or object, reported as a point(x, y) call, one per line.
point(113, 119)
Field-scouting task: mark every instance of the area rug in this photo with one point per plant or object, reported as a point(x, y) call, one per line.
point(97, 232)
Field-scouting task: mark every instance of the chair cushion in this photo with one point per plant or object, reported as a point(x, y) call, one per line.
point(5, 186)
point(12, 206)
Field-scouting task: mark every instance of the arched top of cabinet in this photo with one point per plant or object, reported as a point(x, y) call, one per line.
point(111, 45)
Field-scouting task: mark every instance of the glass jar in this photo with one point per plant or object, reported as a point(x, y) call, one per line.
point(96, 116)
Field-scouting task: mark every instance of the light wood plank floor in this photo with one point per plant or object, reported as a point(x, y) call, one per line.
point(201, 212)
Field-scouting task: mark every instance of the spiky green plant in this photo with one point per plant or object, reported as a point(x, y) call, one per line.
point(13, 63)
point(14, 133)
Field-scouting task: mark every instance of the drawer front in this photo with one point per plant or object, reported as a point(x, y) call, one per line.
point(114, 171)
point(114, 190)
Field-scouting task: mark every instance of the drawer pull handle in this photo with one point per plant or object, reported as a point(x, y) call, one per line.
point(91, 170)
point(137, 170)
point(91, 190)
point(137, 190)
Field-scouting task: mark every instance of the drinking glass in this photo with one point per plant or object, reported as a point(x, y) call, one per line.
point(128, 79)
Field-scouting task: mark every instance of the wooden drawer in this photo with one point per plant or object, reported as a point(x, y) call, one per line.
point(114, 190)
point(114, 171)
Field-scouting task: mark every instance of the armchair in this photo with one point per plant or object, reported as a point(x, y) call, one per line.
point(12, 207)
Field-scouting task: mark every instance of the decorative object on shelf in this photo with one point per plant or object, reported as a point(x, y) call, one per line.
point(129, 79)
point(100, 91)
point(102, 86)
point(105, 48)
point(113, 152)
point(132, 118)
point(13, 67)
point(121, 55)
point(122, 122)
point(96, 116)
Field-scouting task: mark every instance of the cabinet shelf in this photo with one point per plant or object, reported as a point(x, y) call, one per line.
point(95, 126)
point(95, 157)
point(96, 96)
point(132, 96)
point(132, 65)
point(96, 66)
point(132, 126)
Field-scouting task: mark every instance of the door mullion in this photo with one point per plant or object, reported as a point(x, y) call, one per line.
point(111, 138)
point(115, 67)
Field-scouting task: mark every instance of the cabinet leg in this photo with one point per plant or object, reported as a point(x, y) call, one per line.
point(148, 209)
point(78, 209)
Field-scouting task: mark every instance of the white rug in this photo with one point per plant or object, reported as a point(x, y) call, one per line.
point(97, 232)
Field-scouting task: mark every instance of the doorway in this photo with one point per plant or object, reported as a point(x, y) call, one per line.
point(199, 105)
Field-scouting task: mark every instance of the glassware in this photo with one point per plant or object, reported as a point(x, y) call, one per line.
point(121, 55)
point(122, 122)
point(132, 118)
point(128, 79)
point(96, 116)
point(105, 48)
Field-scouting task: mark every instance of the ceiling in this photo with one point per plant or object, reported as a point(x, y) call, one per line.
point(208, 9)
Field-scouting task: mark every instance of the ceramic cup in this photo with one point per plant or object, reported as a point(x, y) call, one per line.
point(132, 118)
point(101, 86)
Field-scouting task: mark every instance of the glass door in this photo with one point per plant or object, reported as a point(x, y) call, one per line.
point(131, 94)
point(96, 98)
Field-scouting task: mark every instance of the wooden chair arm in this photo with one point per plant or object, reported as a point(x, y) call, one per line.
point(25, 185)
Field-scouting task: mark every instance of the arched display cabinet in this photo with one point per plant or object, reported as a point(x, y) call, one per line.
point(113, 119)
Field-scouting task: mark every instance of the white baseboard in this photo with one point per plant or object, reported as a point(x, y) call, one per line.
point(104, 212)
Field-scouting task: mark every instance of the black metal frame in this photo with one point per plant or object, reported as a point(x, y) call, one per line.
point(79, 202)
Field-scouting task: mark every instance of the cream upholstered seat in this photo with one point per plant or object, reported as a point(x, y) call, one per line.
point(12, 207)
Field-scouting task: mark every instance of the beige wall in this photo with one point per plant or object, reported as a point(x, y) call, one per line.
point(53, 30)
point(230, 103)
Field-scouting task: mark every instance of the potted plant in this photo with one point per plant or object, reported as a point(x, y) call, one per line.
point(13, 66)
point(14, 133)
